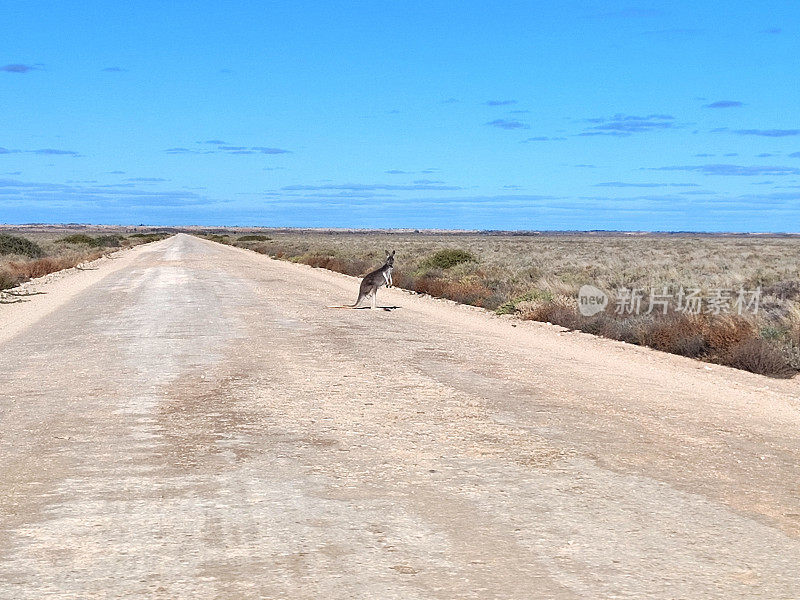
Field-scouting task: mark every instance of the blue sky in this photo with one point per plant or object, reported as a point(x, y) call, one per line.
point(506, 115)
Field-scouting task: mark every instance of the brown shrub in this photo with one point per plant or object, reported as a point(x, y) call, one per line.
point(430, 285)
point(626, 330)
point(556, 313)
point(726, 332)
point(36, 268)
point(469, 292)
point(30, 269)
point(603, 325)
point(759, 356)
point(678, 333)
point(402, 280)
point(354, 267)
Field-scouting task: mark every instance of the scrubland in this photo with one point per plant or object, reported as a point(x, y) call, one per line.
point(29, 252)
point(538, 276)
point(528, 276)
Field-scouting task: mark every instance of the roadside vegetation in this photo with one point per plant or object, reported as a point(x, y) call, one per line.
point(537, 277)
point(25, 254)
point(96, 241)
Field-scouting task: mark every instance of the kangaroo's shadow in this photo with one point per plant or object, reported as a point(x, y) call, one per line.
point(386, 308)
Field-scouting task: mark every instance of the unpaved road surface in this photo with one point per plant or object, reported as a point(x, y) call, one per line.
point(191, 421)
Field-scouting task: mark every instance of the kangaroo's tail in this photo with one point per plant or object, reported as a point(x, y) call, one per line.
point(361, 296)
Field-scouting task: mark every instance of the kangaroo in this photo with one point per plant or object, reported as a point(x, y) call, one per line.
point(373, 281)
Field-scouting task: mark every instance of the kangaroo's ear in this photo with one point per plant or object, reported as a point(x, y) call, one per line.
point(392, 252)
point(387, 252)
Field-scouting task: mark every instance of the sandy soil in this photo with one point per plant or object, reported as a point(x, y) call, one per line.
point(190, 421)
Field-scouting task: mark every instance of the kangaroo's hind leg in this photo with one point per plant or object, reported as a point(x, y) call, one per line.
point(361, 296)
point(363, 292)
point(374, 298)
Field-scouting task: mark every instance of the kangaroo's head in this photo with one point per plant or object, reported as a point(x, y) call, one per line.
point(390, 258)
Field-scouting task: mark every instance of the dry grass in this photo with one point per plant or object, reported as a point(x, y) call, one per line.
point(30, 269)
point(538, 276)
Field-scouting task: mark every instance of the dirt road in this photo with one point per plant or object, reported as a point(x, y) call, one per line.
point(190, 421)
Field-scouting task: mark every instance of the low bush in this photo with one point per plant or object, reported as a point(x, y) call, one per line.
point(759, 356)
point(36, 268)
point(465, 291)
point(554, 312)
point(678, 333)
point(77, 238)
point(351, 266)
point(253, 238)
point(14, 273)
point(100, 241)
point(450, 257)
point(20, 246)
point(512, 306)
point(30, 269)
point(7, 280)
point(107, 241)
point(149, 237)
point(725, 332)
point(220, 239)
point(725, 339)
